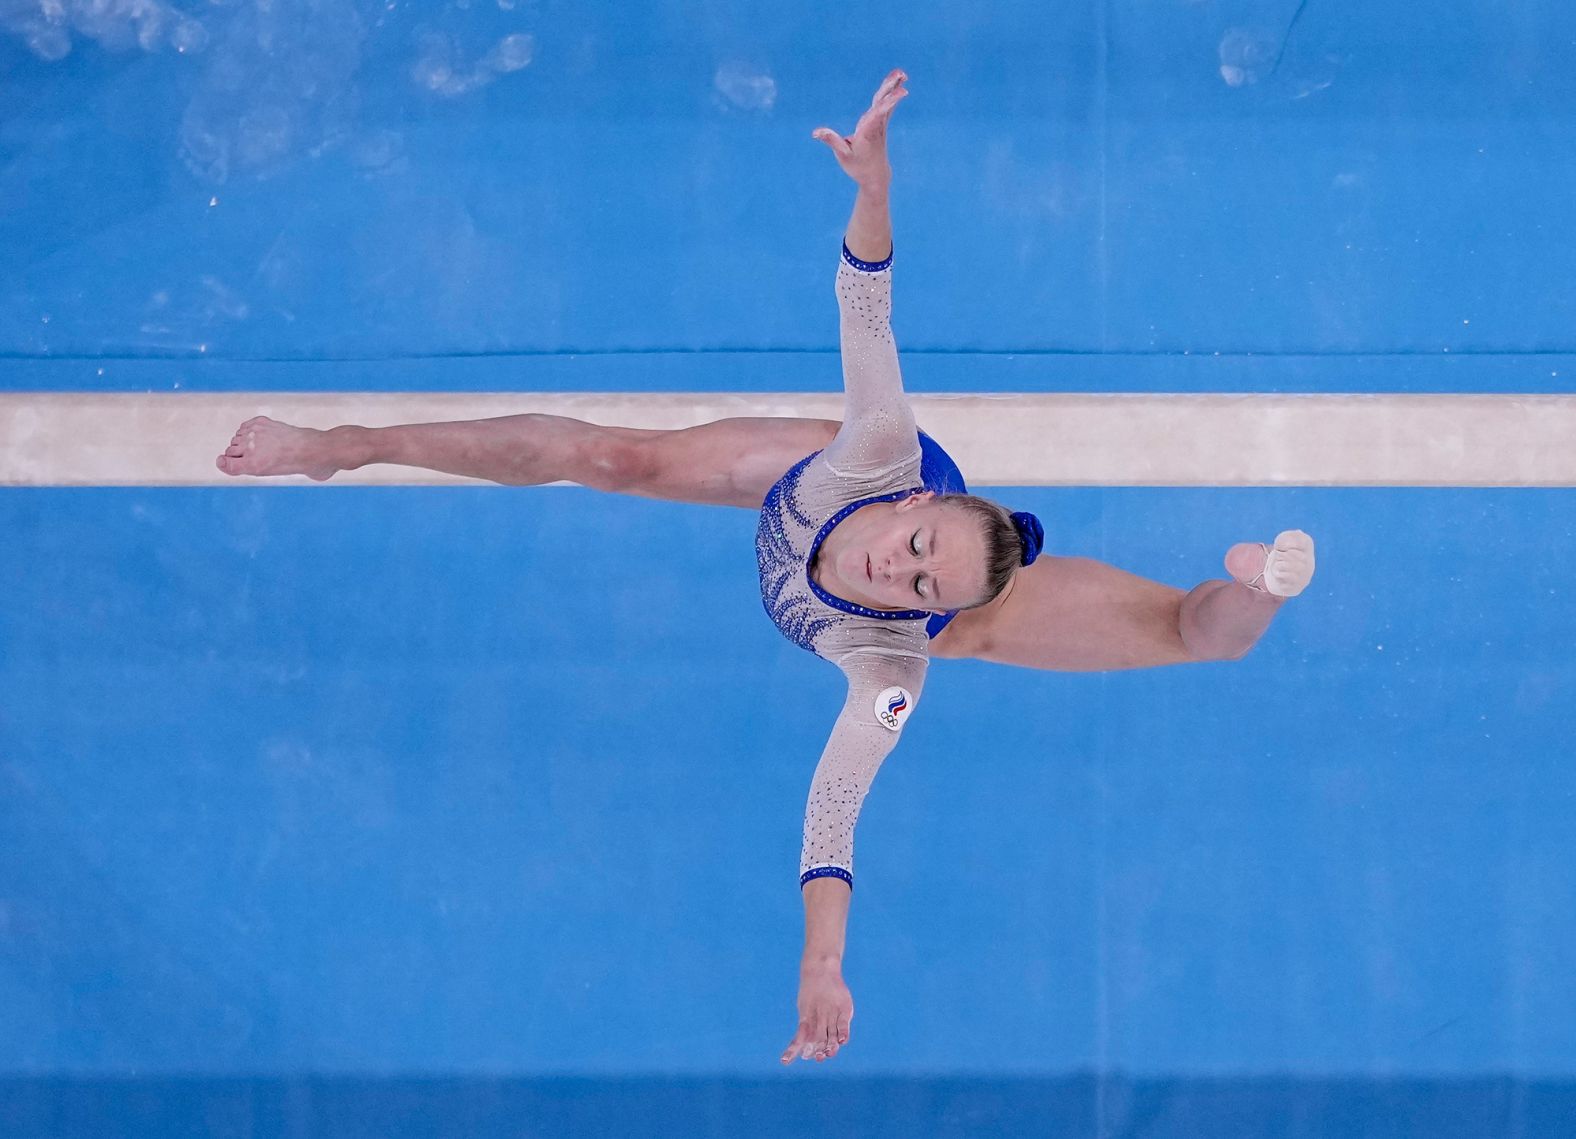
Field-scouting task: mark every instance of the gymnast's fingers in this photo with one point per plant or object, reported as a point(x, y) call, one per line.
point(829, 1041)
point(795, 1044)
point(841, 146)
point(893, 80)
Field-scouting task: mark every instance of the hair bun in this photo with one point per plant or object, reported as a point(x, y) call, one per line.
point(1031, 533)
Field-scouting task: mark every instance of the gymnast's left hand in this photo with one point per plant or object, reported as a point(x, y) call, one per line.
point(863, 154)
point(826, 1009)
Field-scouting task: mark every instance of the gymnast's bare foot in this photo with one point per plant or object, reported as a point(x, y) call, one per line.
point(263, 447)
point(1281, 570)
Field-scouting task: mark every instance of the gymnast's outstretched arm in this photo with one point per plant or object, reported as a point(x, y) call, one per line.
point(877, 432)
point(878, 429)
point(859, 743)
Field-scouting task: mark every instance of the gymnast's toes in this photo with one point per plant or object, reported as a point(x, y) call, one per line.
point(1289, 568)
point(263, 446)
point(1281, 570)
point(1245, 561)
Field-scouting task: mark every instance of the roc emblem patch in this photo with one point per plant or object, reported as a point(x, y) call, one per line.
point(892, 707)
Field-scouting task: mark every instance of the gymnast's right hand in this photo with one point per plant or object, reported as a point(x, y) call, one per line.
point(863, 154)
point(826, 1009)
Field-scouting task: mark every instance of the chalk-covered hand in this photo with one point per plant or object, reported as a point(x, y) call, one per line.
point(826, 1009)
point(863, 154)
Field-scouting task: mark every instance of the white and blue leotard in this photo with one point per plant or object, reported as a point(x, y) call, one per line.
point(878, 455)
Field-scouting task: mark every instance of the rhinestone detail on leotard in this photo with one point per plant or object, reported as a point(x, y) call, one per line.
point(827, 872)
point(876, 456)
point(867, 266)
point(780, 567)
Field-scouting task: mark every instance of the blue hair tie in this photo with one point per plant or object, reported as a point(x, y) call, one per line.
point(1031, 533)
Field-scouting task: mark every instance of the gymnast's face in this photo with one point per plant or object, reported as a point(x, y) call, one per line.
point(915, 553)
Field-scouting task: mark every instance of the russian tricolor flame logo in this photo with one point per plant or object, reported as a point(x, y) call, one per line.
point(892, 708)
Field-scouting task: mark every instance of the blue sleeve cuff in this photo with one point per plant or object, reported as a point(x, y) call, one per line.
point(867, 266)
point(827, 872)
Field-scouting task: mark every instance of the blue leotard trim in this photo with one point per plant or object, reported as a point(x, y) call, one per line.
point(938, 473)
point(867, 266)
point(827, 872)
point(848, 606)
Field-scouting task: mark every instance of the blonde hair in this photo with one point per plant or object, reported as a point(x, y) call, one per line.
point(1003, 545)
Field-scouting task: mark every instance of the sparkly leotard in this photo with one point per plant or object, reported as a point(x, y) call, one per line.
point(876, 457)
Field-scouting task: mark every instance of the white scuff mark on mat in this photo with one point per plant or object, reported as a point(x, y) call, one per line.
point(441, 68)
point(47, 27)
point(745, 87)
point(1245, 54)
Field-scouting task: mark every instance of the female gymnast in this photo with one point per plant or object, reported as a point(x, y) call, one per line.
point(870, 556)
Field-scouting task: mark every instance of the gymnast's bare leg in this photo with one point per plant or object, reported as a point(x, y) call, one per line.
point(1064, 613)
point(729, 462)
point(1081, 615)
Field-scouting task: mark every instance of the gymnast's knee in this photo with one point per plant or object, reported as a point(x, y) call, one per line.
point(619, 464)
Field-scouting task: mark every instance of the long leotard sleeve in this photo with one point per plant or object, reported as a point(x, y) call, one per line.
point(881, 692)
point(878, 426)
point(885, 672)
